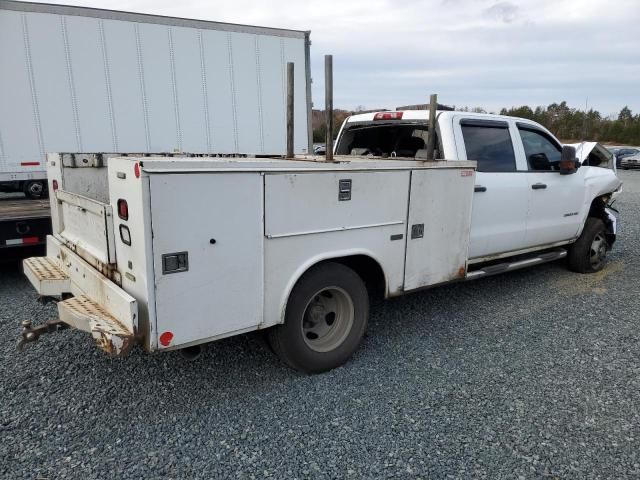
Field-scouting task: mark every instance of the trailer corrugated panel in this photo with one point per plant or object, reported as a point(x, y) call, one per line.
point(78, 79)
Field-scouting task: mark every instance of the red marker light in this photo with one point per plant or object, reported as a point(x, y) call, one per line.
point(166, 337)
point(54, 184)
point(136, 170)
point(123, 209)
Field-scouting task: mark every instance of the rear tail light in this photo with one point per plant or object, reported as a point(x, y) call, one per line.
point(123, 209)
point(54, 184)
point(136, 170)
point(388, 116)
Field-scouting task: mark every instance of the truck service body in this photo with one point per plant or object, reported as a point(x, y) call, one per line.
point(75, 79)
point(145, 264)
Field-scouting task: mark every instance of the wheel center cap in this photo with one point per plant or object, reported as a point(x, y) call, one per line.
point(316, 313)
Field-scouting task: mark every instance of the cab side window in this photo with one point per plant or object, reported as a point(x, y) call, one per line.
point(488, 142)
point(542, 153)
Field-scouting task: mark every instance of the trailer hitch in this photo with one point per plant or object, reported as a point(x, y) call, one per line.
point(31, 334)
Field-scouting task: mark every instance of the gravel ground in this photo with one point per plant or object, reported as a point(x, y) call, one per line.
point(529, 374)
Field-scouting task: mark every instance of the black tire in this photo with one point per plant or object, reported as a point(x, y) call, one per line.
point(587, 254)
point(35, 189)
point(308, 306)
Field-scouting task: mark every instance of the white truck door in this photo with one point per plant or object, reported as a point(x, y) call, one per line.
point(207, 249)
point(438, 226)
point(498, 221)
point(556, 202)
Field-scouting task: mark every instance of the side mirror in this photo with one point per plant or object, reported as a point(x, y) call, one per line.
point(568, 163)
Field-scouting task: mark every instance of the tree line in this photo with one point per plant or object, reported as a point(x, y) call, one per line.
point(571, 124)
point(566, 123)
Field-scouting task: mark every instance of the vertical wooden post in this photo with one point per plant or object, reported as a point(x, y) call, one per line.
point(431, 133)
point(328, 106)
point(290, 115)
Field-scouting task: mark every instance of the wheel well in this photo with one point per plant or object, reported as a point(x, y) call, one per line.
point(368, 269)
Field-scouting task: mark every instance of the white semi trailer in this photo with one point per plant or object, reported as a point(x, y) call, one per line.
point(76, 79)
point(86, 80)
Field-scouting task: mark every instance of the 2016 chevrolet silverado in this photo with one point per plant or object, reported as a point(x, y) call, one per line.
point(170, 253)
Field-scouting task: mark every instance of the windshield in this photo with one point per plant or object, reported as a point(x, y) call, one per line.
point(383, 140)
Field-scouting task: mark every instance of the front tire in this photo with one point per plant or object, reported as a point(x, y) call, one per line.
point(587, 254)
point(325, 320)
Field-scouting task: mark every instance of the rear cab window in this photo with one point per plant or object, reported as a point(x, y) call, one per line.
point(392, 139)
point(488, 142)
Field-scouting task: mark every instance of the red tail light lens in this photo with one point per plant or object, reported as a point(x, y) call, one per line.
point(388, 116)
point(54, 184)
point(136, 170)
point(123, 209)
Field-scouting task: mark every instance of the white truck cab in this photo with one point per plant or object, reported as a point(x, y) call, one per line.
point(521, 201)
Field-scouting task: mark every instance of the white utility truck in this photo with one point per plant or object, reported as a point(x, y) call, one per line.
point(171, 253)
point(75, 79)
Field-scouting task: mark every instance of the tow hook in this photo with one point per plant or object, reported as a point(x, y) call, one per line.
point(31, 334)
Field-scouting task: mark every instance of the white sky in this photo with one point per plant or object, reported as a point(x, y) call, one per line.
point(488, 53)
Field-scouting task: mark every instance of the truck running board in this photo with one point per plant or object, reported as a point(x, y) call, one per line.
point(516, 265)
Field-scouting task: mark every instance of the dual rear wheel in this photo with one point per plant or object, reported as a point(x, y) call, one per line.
point(325, 320)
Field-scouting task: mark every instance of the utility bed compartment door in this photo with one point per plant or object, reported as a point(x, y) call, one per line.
point(207, 254)
point(307, 203)
point(439, 226)
point(86, 226)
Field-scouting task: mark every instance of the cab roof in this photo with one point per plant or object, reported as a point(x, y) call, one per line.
point(408, 115)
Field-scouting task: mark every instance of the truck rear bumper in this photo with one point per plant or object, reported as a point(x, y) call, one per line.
point(98, 306)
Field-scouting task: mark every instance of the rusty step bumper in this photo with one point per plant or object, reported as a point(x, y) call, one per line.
point(98, 306)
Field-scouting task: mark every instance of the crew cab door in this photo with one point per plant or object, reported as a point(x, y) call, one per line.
point(556, 202)
point(498, 221)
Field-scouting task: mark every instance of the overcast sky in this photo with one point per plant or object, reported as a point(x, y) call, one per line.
point(488, 53)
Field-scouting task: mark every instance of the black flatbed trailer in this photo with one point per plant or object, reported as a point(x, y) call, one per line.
point(23, 223)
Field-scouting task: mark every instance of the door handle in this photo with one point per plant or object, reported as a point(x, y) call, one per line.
point(479, 188)
point(539, 186)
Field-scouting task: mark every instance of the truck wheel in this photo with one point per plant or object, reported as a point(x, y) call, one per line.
point(587, 254)
point(325, 320)
point(34, 189)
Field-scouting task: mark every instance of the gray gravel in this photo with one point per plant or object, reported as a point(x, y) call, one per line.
point(530, 374)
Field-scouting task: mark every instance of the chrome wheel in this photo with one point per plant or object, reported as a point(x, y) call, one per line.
point(327, 319)
point(598, 251)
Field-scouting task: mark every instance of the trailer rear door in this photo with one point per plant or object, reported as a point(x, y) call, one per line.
point(86, 226)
